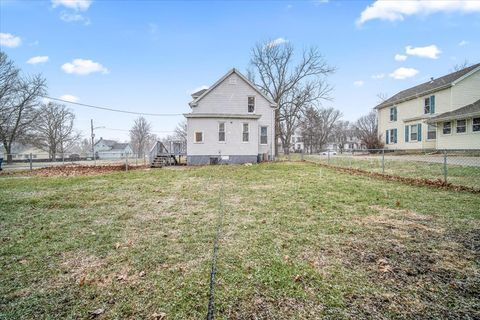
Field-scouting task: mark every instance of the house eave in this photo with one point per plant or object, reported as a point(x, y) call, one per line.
point(221, 116)
point(416, 96)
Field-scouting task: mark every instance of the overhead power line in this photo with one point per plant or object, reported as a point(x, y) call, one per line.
point(113, 109)
point(126, 130)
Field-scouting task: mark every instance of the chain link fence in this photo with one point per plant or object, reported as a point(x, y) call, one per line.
point(30, 161)
point(457, 167)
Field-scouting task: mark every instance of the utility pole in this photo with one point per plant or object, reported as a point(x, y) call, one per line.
point(93, 141)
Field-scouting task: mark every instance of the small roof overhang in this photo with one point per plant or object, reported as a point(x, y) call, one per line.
point(468, 111)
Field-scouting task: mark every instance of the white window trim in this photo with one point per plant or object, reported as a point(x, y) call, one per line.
point(390, 112)
point(436, 133)
point(248, 128)
point(195, 137)
point(466, 126)
point(410, 133)
point(254, 104)
point(391, 136)
point(224, 131)
point(451, 128)
point(260, 136)
point(475, 132)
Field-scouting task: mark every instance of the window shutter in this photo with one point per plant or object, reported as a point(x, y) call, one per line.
point(419, 132)
point(394, 135)
point(386, 137)
point(406, 133)
point(432, 104)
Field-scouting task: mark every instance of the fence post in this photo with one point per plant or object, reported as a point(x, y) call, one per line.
point(328, 156)
point(126, 162)
point(31, 162)
point(445, 168)
point(302, 155)
point(383, 160)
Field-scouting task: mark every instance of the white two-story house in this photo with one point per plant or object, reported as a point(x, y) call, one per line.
point(443, 113)
point(230, 122)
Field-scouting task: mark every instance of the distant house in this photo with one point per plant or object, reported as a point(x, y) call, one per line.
point(231, 122)
point(296, 142)
point(111, 149)
point(443, 113)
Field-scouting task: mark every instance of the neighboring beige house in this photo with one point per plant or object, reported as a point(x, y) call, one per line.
point(231, 122)
point(296, 144)
point(443, 113)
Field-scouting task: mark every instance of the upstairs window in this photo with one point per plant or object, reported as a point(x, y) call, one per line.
point(263, 135)
point(429, 106)
point(245, 134)
point(476, 125)
point(221, 132)
point(251, 104)
point(447, 127)
point(198, 137)
point(461, 126)
point(393, 114)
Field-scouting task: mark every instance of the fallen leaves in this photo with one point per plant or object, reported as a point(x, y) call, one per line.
point(79, 170)
point(159, 316)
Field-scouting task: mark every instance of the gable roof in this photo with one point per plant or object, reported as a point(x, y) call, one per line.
point(472, 109)
point(430, 86)
point(120, 146)
point(216, 84)
point(109, 143)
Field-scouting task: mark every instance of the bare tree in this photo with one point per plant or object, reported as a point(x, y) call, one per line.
point(366, 128)
point(341, 133)
point(19, 99)
point(54, 131)
point(460, 66)
point(140, 136)
point(382, 96)
point(295, 103)
point(317, 127)
point(180, 132)
point(273, 70)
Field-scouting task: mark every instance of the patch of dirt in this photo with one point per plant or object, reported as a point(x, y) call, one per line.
point(77, 170)
point(421, 268)
point(260, 307)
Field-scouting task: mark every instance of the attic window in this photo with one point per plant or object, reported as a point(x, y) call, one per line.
point(251, 104)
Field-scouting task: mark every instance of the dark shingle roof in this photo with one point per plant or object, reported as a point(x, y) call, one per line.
point(427, 87)
point(468, 110)
point(119, 146)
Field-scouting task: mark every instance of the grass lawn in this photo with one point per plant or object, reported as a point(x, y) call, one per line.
point(459, 175)
point(298, 241)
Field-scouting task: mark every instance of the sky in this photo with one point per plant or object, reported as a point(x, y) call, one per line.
point(148, 56)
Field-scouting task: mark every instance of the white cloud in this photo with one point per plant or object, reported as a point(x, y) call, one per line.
point(400, 57)
point(431, 51)
point(396, 10)
point(198, 89)
point(319, 2)
point(69, 97)
point(378, 76)
point(9, 40)
point(78, 5)
point(74, 17)
point(403, 73)
point(37, 59)
point(276, 42)
point(83, 67)
point(358, 83)
point(463, 43)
